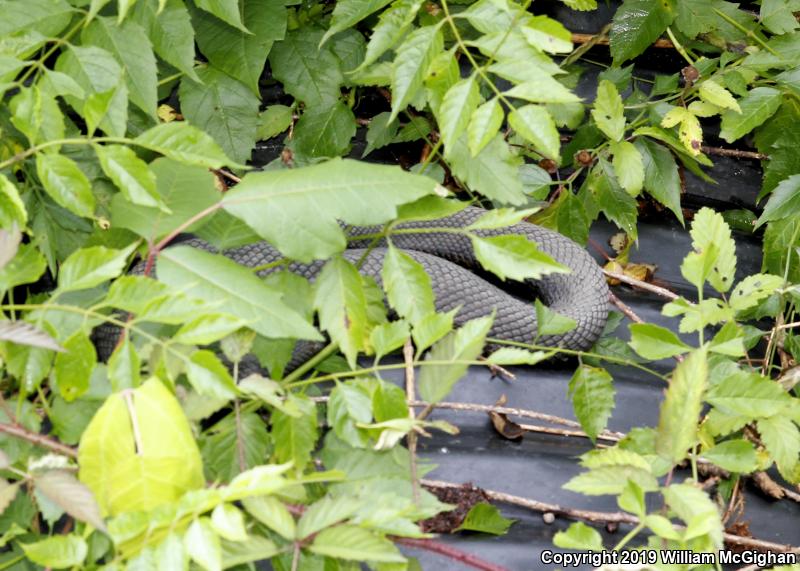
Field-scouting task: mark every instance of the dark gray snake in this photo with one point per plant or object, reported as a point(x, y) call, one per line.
point(448, 259)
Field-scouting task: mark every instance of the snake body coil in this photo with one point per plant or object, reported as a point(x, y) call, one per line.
point(449, 260)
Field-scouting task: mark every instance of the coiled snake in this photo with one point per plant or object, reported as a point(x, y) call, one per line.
point(449, 260)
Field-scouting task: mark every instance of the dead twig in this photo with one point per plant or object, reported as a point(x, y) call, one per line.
point(736, 153)
point(602, 40)
point(38, 439)
point(658, 290)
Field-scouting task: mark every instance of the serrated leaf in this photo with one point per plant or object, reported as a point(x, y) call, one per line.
point(272, 513)
point(65, 183)
point(466, 344)
point(356, 543)
point(592, 392)
point(514, 256)
point(543, 89)
point(295, 436)
point(714, 93)
point(130, 174)
point(73, 368)
point(203, 545)
point(608, 112)
point(58, 551)
point(636, 25)
point(710, 229)
point(484, 124)
point(349, 12)
point(549, 322)
point(324, 131)
point(618, 206)
point(130, 472)
point(124, 366)
point(380, 132)
point(547, 35)
point(690, 132)
point(757, 106)
point(228, 521)
point(516, 356)
point(12, 209)
point(169, 27)
point(274, 120)
point(494, 172)
point(655, 342)
point(297, 209)
point(235, 289)
point(224, 108)
point(678, 417)
point(748, 395)
point(414, 57)
point(36, 114)
point(341, 302)
point(309, 73)
point(661, 178)
point(184, 143)
point(734, 456)
point(457, 107)
point(64, 489)
point(89, 267)
point(209, 377)
point(782, 439)
point(694, 506)
point(225, 10)
point(238, 53)
point(325, 513)
point(579, 535)
point(611, 480)
point(784, 202)
point(22, 333)
point(628, 166)
point(432, 328)
point(207, 329)
point(535, 125)
point(407, 286)
point(485, 518)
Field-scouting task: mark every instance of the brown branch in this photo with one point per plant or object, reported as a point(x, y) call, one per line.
point(471, 407)
point(449, 552)
point(606, 435)
point(610, 517)
point(734, 153)
point(658, 290)
point(38, 439)
point(603, 40)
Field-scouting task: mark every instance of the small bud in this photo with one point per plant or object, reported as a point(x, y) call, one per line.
point(584, 158)
point(690, 74)
point(549, 165)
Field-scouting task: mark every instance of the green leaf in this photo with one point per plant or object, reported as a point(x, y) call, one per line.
point(484, 124)
point(236, 290)
point(543, 89)
point(341, 302)
point(202, 545)
point(782, 439)
point(274, 120)
point(63, 489)
point(709, 228)
point(749, 395)
point(777, 16)
point(694, 506)
point(714, 93)
point(273, 514)
point(235, 446)
point(209, 377)
point(65, 183)
point(238, 53)
point(494, 172)
point(73, 368)
point(224, 108)
point(733, 455)
point(729, 341)
point(655, 342)
point(100, 76)
point(324, 131)
point(753, 289)
point(36, 114)
point(612, 480)
point(309, 73)
point(12, 209)
point(784, 202)
point(608, 112)
point(579, 536)
point(690, 132)
point(155, 466)
point(295, 436)
point(208, 328)
point(47, 17)
point(618, 206)
point(516, 356)
point(680, 410)
point(485, 518)
point(185, 190)
point(132, 49)
point(387, 337)
point(347, 13)
point(297, 209)
point(592, 392)
point(256, 548)
point(228, 521)
point(514, 256)
point(349, 406)
point(432, 328)
point(407, 286)
point(466, 344)
point(414, 57)
point(636, 25)
point(547, 35)
point(757, 106)
point(130, 174)
point(549, 322)
point(356, 543)
point(124, 365)
point(89, 267)
point(628, 166)
point(535, 125)
point(325, 513)
point(225, 10)
point(59, 551)
point(457, 107)
point(393, 24)
point(661, 178)
point(169, 27)
point(183, 143)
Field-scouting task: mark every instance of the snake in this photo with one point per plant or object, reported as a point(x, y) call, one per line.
point(457, 278)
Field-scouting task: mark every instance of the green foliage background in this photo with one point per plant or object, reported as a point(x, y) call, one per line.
point(122, 123)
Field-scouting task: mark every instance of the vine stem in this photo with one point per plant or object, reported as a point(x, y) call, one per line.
point(38, 439)
point(607, 517)
point(411, 392)
point(449, 552)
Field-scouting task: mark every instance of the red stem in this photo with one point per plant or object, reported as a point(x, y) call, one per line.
point(449, 552)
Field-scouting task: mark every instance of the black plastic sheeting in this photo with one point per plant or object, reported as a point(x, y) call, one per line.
point(539, 465)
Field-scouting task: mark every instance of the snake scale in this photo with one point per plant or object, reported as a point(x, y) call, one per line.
point(449, 260)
